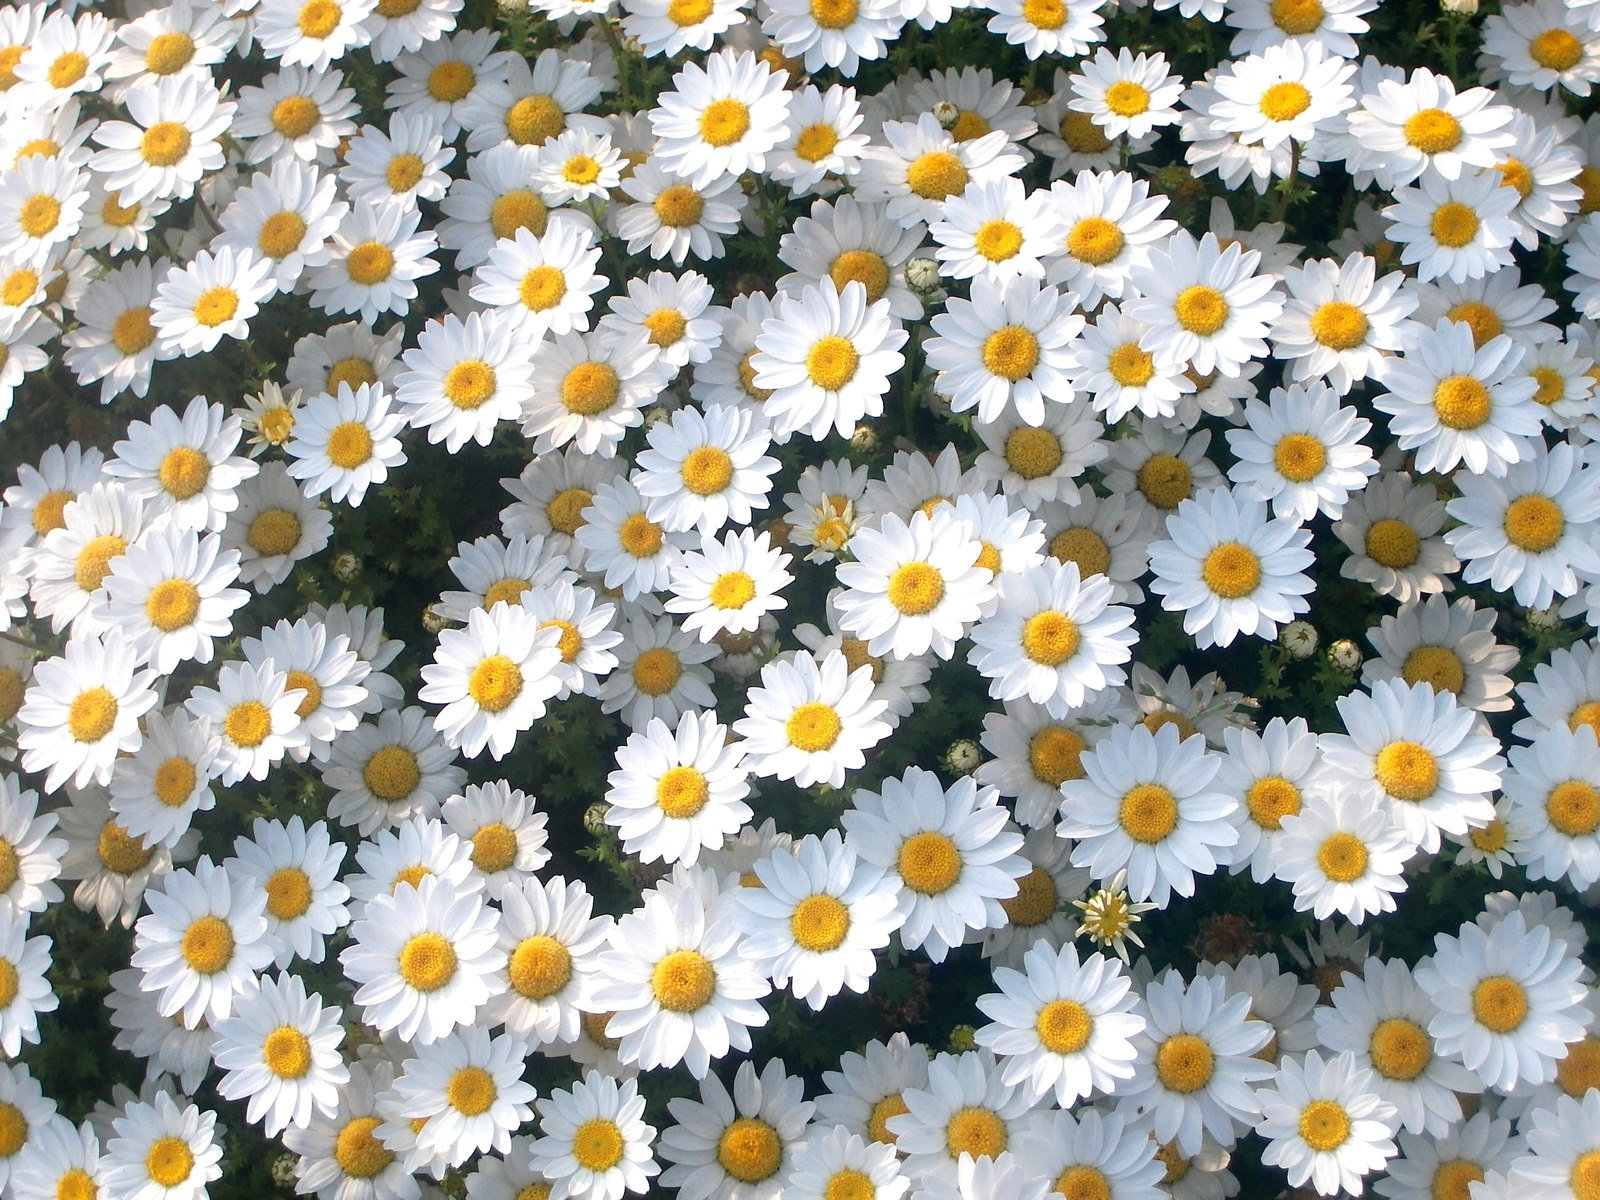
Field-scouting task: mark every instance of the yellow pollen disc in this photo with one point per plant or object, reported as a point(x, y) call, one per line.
point(534, 120)
point(1082, 1182)
point(1432, 131)
point(403, 173)
point(18, 287)
point(164, 144)
point(1551, 386)
point(1454, 1179)
point(1231, 571)
point(1478, 317)
point(276, 531)
point(115, 215)
point(1201, 310)
point(732, 589)
point(120, 853)
point(13, 1129)
point(208, 945)
point(1461, 402)
point(281, 234)
point(968, 125)
point(471, 1091)
point(169, 1161)
point(1514, 173)
point(813, 727)
point(997, 240)
point(216, 306)
point(451, 81)
point(1339, 326)
point(1407, 771)
point(1010, 352)
point(39, 215)
point(539, 967)
point(1155, 721)
point(286, 1052)
point(975, 1131)
point(1296, 17)
point(831, 362)
point(816, 142)
point(683, 981)
point(1064, 1026)
point(247, 724)
point(295, 116)
point(1270, 799)
point(1556, 50)
point(288, 893)
point(915, 589)
point(1055, 755)
point(565, 510)
point(833, 14)
point(724, 122)
point(1184, 1063)
point(1534, 523)
point(594, 1024)
point(1499, 1003)
point(684, 13)
point(174, 782)
point(849, 1184)
point(856, 657)
point(590, 388)
point(1033, 453)
point(91, 715)
point(1438, 666)
point(1124, 98)
point(1050, 638)
point(1095, 240)
point(936, 175)
point(1491, 838)
point(1573, 808)
point(747, 374)
point(518, 209)
point(598, 1145)
point(1579, 1071)
point(10, 56)
point(9, 982)
point(1453, 225)
point(1588, 182)
point(68, 69)
point(1284, 101)
point(749, 1150)
point(470, 384)
point(580, 170)
point(369, 263)
point(639, 536)
point(666, 327)
point(48, 512)
point(707, 470)
point(1588, 714)
point(1400, 1049)
point(819, 923)
point(1148, 813)
point(1165, 481)
point(494, 848)
point(183, 472)
point(1130, 366)
point(571, 641)
point(1044, 14)
point(1035, 902)
point(1585, 1178)
point(1393, 544)
point(10, 865)
point(75, 1184)
point(1324, 1126)
point(1082, 135)
point(505, 591)
point(172, 604)
point(1342, 857)
point(863, 267)
point(495, 683)
point(413, 875)
point(679, 205)
point(657, 671)
point(929, 863)
point(354, 371)
point(319, 18)
point(427, 962)
point(1299, 457)
point(11, 691)
point(392, 773)
point(892, 1105)
point(682, 792)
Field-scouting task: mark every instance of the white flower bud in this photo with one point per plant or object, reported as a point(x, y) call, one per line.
point(1299, 638)
point(1345, 655)
point(922, 276)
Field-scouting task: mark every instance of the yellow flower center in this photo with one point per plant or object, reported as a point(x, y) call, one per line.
point(39, 214)
point(18, 287)
point(1296, 17)
point(208, 945)
point(1461, 402)
point(319, 18)
point(1050, 638)
point(997, 240)
point(174, 782)
point(1499, 1003)
point(1082, 1182)
point(1055, 755)
point(118, 852)
point(724, 122)
point(1534, 523)
point(1407, 771)
point(1201, 310)
point(1339, 326)
point(470, 384)
point(1551, 385)
point(111, 212)
point(864, 267)
point(403, 173)
point(471, 1091)
point(295, 116)
point(357, 1150)
point(1064, 1026)
point(1231, 571)
point(518, 209)
point(495, 683)
point(392, 773)
point(75, 1184)
point(91, 715)
point(816, 142)
point(1044, 14)
point(1478, 317)
point(451, 81)
point(684, 13)
point(10, 865)
point(1438, 666)
point(247, 724)
point(749, 1150)
point(1324, 1126)
point(276, 531)
point(1035, 902)
point(1585, 1178)
point(1453, 225)
point(288, 893)
point(1393, 544)
point(666, 326)
point(1096, 241)
point(1270, 799)
point(1010, 352)
point(1165, 481)
point(48, 513)
point(565, 510)
point(1432, 131)
point(936, 175)
point(494, 848)
point(1082, 135)
point(657, 671)
point(849, 1184)
point(1556, 50)
point(286, 1052)
point(590, 388)
point(216, 306)
point(369, 263)
point(929, 863)
point(13, 1129)
point(1588, 714)
point(819, 923)
point(683, 981)
point(679, 205)
point(1342, 857)
point(831, 362)
point(1491, 838)
point(353, 371)
point(539, 967)
point(534, 120)
point(1284, 101)
point(598, 1145)
point(1125, 98)
point(281, 234)
point(164, 144)
point(1579, 1071)
point(639, 536)
point(1148, 812)
point(892, 1105)
point(681, 792)
point(915, 589)
point(169, 1161)
point(707, 470)
point(1032, 453)
point(172, 604)
point(1184, 1063)
point(1573, 808)
point(813, 727)
point(833, 14)
point(68, 69)
point(427, 962)
point(732, 589)
point(975, 1131)
point(1400, 1049)
point(9, 982)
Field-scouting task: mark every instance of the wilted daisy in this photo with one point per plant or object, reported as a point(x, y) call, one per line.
point(280, 1049)
point(676, 794)
point(594, 1143)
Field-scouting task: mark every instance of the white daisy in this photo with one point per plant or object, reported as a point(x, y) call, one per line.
point(828, 714)
point(82, 710)
point(253, 716)
point(740, 1145)
point(280, 1049)
point(594, 1143)
point(344, 443)
point(676, 794)
point(493, 678)
point(1343, 852)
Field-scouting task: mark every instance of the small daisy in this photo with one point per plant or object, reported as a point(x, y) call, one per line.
point(209, 298)
point(349, 353)
point(844, 239)
point(623, 545)
point(253, 713)
point(1111, 223)
point(1392, 532)
point(664, 27)
point(823, 143)
point(280, 1049)
point(1302, 451)
point(829, 718)
point(1541, 45)
point(185, 465)
point(589, 390)
point(295, 114)
point(834, 33)
point(1403, 127)
point(407, 162)
point(668, 218)
point(115, 343)
point(468, 1092)
point(1563, 1148)
point(676, 794)
point(1126, 95)
point(1342, 853)
point(162, 1150)
point(1340, 319)
point(826, 1164)
point(464, 377)
point(660, 672)
point(1554, 789)
point(492, 678)
point(41, 206)
point(923, 165)
point(594, 1143)
point(275, 526)
point(869, 1087)
point(547, 283)
point(82, 710)
point(1269, 772)
point(376, 258)
point(156, 791)
point(1456, 230)
point(24, 991)
point(344, 443)
point(171, 143)
point(311, 33)
point(296, 867)
point(505, 835)
point(321, 665)
point(1324, 1124)
point(739, 1145)
point(1035, 754)
point(58, 1159)
point(728, 585)
point(285, 217)
point(442, 78)
point(671, 312)
point(526, 105)
point(704, 469)
point(720, 119)
point(1047, 26)
point(169, 594)
point(578, 165)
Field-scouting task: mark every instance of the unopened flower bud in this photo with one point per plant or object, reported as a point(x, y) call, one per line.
point(594, 819)
point(282, 1170)
point(433, 620)
point(863, 439)
point(962, 1039)
point(1299, 638)
point(946, 114)
point(922, 276)
point(962, 757)
point(346, 567)
point(1345, 655)
point(1465, 8)
point(1545, 619)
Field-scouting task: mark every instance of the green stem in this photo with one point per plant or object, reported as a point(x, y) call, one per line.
point(22, 641)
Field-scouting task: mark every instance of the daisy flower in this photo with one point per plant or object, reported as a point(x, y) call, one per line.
point(24, 991)
point(997, 230)
point(280, 1049)
point(552, 496)
point(664, 27)
point(623, 545)
point(113, 869)
point(295, 866)
point(1290, 92)
point(201, 944)
point(676, 794)
point(550, 940)
point(348, 353)
point(344, 443)
point(545, 283)
point(914, 587)
point(1422, 126)
point(660, 673)
point(57, 1158)
point(296, 115)
point(285, 218)
point(1195, 1065)
point(323, 666)
point(1324, 1124)
point(465, 376)
point(1124, 94)
point(578, 165)
point(1047, 26)
point(171, 142)
point(1541, 45)
point(834, 33)
point(1482, 1147)
point(1416, 749)
point(1111, 223)
point(826, 357)
point(311, 33)
point(814, 924)
point(468, 1092)
point(669, 218)
point(422, 959)
point(377, 256)
point(184, 465)
point(829, 718)
point(156, 791)
point(590, 390)
point(504, 835)
point(494, 200)
point(947, 851)
point(82, 710)
point(677, 981)
point(1340, 320)
point(825, 1164)
point(964, 1112)
point(444, 76)
point(1089, 1149)
point(1342, 852)
point(1392, 532)
point(275, 526)
point(341, 1155)
point(406, 163)
point(1036, 753)
point(869, 1088)
point(844, 239)
point(1262, 23)
point(739, 1145)
point(822, 143)
point(115, 344)
point(209, 298)
point(1144, 804)
point(1507, 999)
point(1454, 229)
point(704, 469)
point(728, 585)
point(492, 678)
point(671, 312)
point(1302, 451)
point(526, 104)
point(720, 119)
point(492, 570)
point(30, 859)
point(594, 1143)
point(41, 206)
point(169, 594)
point(1554, 789)
point(1269, 772)
point(1547, 177)
point(1562, 1148)
point(162, 1150)
point(923, 165)
point(253, 712)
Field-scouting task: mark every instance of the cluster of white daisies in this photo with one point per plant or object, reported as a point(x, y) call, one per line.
point(1128, 408)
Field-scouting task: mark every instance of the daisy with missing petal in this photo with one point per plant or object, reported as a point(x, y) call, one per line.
point(492, 570)
point(170, 144)
point(738, 1146)
point(589, 390)
point(1343, 852)
point(1231, 570)
point(826, 357)
point(492, 678)
point(1205, 304)
point(162, 1150)
point(1531, 532)
point(674, 795)
point(275, 526)
point(464, 377)
point(1302, 451)
point(82, 710)
point(344, 443)
point(1340, 320)
point(949, 853)
point(676, 981)
point(280, 1049)
point(720, 119)
point(704, 469)
point(376, 258)
point(1554, 789)
point(1455, 230)
point(1324, 1124)
point(1417, 749)
point(1007, 348)
point(254, 717)
point(834, 33)
point(1062, 1025)
point(1508, 1000)
point(422, 959)
point(594, 1143)
point(1392, 532)
point(1147, 803)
